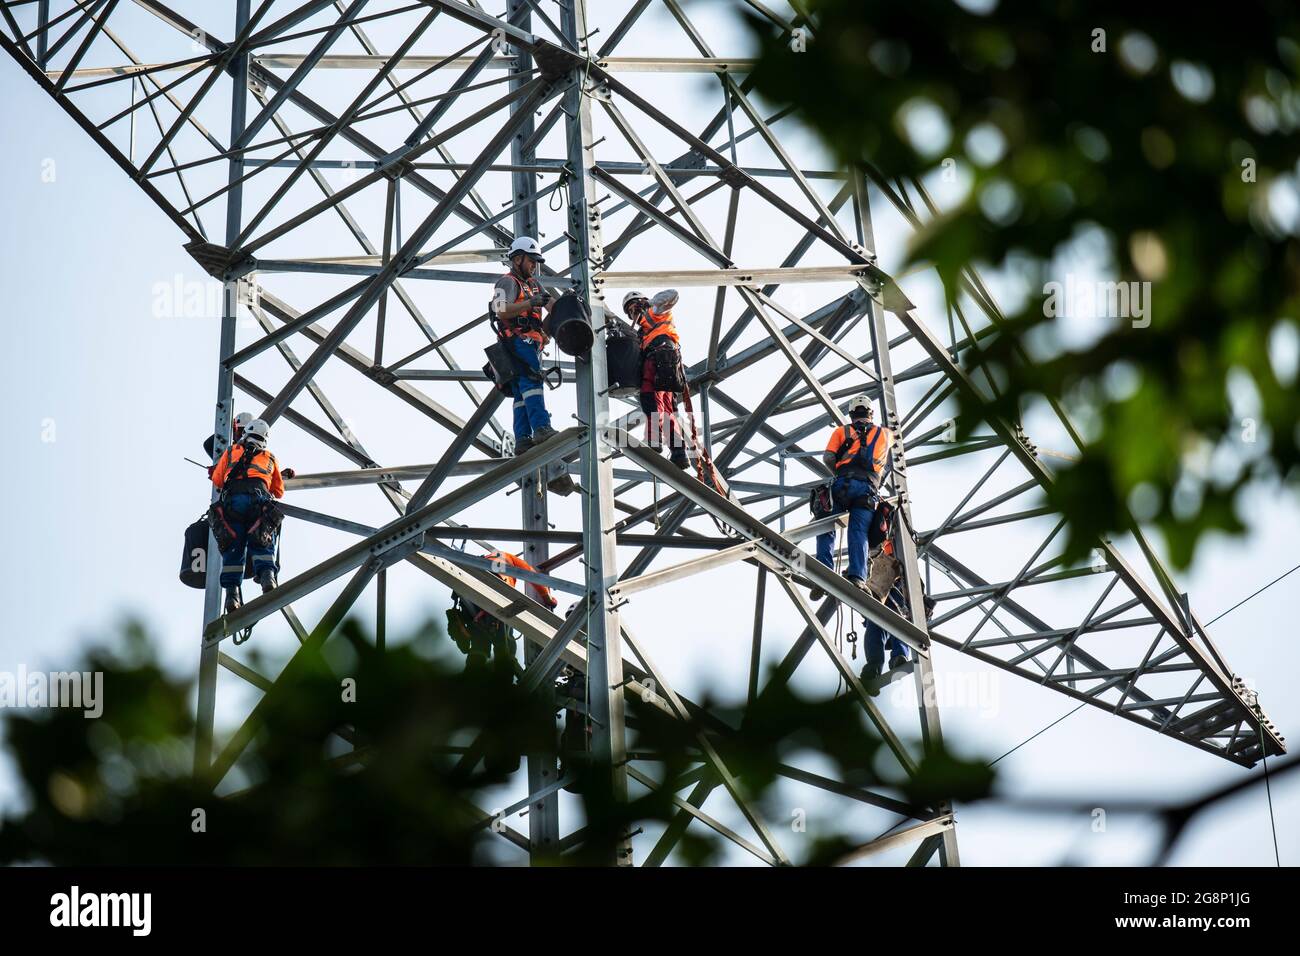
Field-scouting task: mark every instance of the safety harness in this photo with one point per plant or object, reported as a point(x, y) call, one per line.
point(666, 354)
point(862, 462)
point(269, 517)
point(821, 499)
point(530, 321)
point(503, 365)
point(648, 329)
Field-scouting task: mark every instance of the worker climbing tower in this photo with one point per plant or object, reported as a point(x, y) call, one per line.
point(352, 171)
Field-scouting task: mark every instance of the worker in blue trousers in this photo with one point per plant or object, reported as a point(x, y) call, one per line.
point(519, 305)
point(856, 454)
point(877, 640)
point(245, 519)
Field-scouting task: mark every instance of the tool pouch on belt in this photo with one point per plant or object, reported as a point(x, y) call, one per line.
point(885, 569)
point(500, 368)
point(820, 501)
point(267, 525)
point(669, 376)
point(458, 628)
point(222, 530)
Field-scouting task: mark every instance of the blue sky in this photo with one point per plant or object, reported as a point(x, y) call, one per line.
point(102, 401)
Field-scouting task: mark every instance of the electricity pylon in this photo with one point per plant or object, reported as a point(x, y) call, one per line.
point(307, 152)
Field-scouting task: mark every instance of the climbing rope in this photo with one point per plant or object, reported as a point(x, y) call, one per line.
point(704, 467)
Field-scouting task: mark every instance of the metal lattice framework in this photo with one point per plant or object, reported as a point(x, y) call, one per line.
point(337, 216)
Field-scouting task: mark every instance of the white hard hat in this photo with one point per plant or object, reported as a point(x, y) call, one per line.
point(258, 430)
point(527, 245)
point(861, 401)
point(242, 419)
point(631, 297)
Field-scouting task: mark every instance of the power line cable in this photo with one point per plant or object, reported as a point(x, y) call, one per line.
point(1043, 731)
point(1256, 594)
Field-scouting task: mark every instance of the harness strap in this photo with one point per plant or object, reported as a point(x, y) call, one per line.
point(646, 328)
point(843, 454)
point(530, 321)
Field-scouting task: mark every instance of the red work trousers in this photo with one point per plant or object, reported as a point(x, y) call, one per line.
point(660, 422)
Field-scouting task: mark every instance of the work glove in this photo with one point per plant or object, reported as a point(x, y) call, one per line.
point(552, 603)
point(540, 300)
point(288, 473)
point(211, 469)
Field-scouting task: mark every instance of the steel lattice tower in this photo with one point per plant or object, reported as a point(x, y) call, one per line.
point(337, 215)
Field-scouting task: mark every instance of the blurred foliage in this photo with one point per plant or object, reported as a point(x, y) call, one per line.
point(119, 789)
point(1164, 140)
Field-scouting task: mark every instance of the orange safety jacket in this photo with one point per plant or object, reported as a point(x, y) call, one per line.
point(862, 457)
point(651, 325)
point(515, 561)
point(263, 467)
point(529, 324)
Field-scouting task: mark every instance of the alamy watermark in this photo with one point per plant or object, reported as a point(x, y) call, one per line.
point(39, 689)
point(976, 691)
point(75, 908)
point(1079, 298)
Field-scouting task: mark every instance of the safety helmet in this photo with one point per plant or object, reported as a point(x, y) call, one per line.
point(632, 297)
point(257, 431)
point(863, 402)
point(525, 245)
point(242, 420)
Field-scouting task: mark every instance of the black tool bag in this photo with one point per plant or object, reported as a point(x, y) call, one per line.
point(194, 558)
point(622, 356)
point(882, 522)
point(820, 501)
point(569, 324)
point(501, 369)
point(669, 374)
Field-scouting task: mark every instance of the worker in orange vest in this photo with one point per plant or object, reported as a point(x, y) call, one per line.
point(502, 559)
point(244, 519)
point(663, 379)
point(480, 636)
point(856, 454)
point(237, 429)
point(519, 304)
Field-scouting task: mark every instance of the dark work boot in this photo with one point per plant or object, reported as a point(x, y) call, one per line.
point(523, 444)
point(233, 603)
point(870, 678)
point(543, 435)
point(679, 458)
point(266, 579)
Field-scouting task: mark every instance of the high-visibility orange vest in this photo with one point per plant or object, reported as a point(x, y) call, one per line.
point(529, 324)
point(863, 457)
point(652, 325)
point(515, 561)
point(262, 466)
